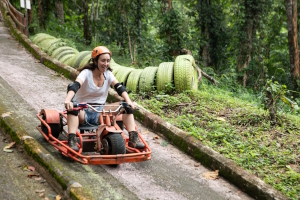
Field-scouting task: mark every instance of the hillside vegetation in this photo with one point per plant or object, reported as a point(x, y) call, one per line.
point(236, 126)
point(229, 119)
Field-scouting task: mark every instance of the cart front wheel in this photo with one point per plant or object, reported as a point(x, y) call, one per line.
point(113, 144)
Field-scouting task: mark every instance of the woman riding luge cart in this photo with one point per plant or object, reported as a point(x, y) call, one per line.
point(91, 86)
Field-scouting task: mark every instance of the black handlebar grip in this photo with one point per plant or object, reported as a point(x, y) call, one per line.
point(75, 104)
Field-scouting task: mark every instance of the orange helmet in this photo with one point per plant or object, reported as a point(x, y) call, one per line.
point(100, 50)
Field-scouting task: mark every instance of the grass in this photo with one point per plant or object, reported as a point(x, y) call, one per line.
point(236, 126)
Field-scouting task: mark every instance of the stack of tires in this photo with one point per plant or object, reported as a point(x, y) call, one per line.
point(58, 49)
point(179, 75)
point(185, 74)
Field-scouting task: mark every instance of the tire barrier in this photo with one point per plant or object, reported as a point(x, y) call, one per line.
point(147, 79)
point(180, 74)
point(165, 76)
point(133, 80)
point(185, 77)
point(62, 49)
point(122, 75)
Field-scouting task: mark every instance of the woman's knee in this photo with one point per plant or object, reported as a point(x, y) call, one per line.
point(81, 117)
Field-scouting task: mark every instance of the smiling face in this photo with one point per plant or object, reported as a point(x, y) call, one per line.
point(103, 62)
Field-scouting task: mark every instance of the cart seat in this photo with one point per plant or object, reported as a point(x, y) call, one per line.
point(86, 127)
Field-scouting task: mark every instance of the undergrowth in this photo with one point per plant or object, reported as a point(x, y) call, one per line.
point(236, 125)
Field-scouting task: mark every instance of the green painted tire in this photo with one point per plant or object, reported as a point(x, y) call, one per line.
point(59, 50)
point(56, 46)
point(147, 79)
point(48, 48)
point(133, 80)
point(65, 58)
point(122, 75)
point(85, 60)
point(44, 45)
point(165, 76)
point(70, 60)
point(116, 68)
point(62, 54)
point(41, 37)
point(78, 58)
point(184, 75)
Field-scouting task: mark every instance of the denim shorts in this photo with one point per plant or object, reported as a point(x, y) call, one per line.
point(92, 117)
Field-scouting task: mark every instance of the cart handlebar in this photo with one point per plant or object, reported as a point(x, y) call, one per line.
point(82, 105)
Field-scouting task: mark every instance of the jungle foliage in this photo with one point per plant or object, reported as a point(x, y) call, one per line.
point(242, 44)
point(145, 33)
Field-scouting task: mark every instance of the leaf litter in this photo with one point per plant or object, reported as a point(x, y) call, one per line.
point(7, 114)
point(7, 147)
point(211, 175)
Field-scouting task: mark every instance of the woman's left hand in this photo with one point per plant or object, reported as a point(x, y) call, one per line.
point(130, 103)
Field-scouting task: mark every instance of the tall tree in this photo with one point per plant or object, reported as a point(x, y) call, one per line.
point(210, 31)
point(92, 11)
point(291, 11)
point(86, 30)
point(170, 28)
point(251, 13)
point(59, 10)
point(138, 23)
point(130, 48)
point(41, 14)
point(97, 10)
point(204, 21)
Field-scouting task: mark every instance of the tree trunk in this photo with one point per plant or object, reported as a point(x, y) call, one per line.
point(86, 30)
point(30, 14)
point(205, 49)
point(132, 56)
point(272, 107)
point(97, 10)
point(138, 24)
point(41, 14)
point(170, 4)
point(291, 11)
point(92, 11)
point(30, 18)
point(205, 32)
point(59, 7)
point(171, 33)
point(249, 29)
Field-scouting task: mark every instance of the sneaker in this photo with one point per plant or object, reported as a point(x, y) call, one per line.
point(72, 142)
point(134, 141)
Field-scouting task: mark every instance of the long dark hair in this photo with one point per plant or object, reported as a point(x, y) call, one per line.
point(91, 65)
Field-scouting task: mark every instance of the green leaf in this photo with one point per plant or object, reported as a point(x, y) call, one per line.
point(7, 150)
point(164, 143)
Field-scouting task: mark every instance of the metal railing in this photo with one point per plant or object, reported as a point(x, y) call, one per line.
point(18, 17)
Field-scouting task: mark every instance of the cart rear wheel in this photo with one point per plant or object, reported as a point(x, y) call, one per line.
point(120, 124)
point(56, 128)
point(114, 144)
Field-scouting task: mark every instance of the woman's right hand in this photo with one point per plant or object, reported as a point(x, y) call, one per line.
point(69, 105)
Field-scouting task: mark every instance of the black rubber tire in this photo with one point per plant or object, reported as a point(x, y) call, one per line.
point(55, 128)
point(116, 144)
